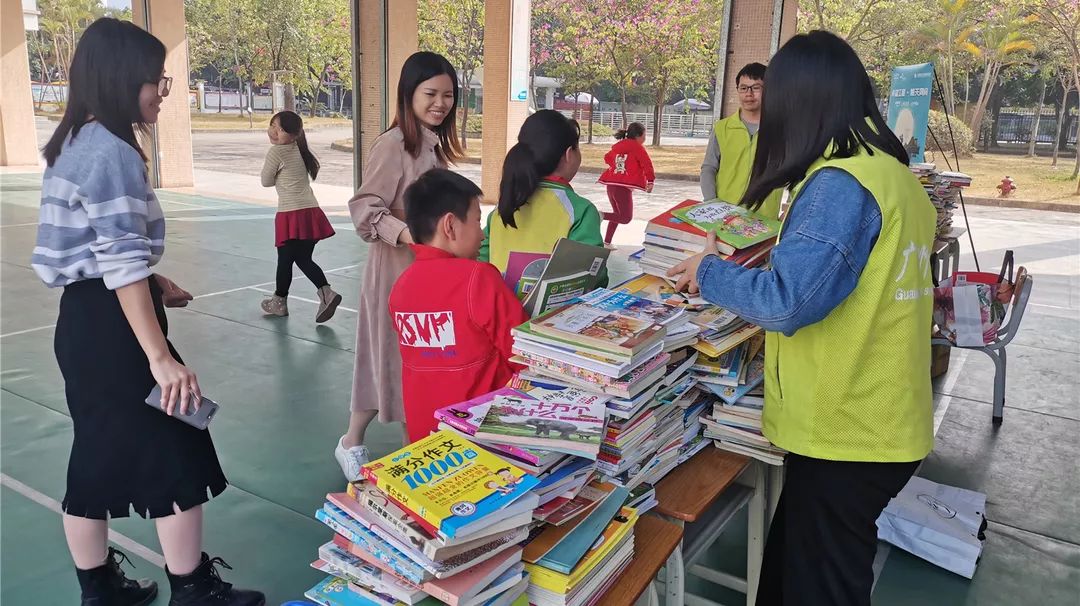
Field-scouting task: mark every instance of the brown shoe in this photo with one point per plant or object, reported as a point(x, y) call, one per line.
point(275, 306)
point(328, 304)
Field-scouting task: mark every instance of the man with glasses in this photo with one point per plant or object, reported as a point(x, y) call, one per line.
point(725, 173)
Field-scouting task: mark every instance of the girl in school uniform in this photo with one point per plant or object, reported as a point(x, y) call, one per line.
point(299, 223)
point(101, 231)
point(629, 168)
point(423, 136)
point(537, 205)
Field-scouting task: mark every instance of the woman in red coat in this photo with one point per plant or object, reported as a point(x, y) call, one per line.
point(629, 168)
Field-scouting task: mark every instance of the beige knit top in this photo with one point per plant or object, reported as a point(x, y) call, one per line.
point(284, 169)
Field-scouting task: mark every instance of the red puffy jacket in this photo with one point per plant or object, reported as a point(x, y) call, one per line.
point(629, 165)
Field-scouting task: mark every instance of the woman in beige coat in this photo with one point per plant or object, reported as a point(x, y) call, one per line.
point(423, 136)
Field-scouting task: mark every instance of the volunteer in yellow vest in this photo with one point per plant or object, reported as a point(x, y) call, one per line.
point(846, 307)
point(537, 204)
point(725, 172)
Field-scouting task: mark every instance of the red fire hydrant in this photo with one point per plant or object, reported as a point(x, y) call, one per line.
point(1006, 187)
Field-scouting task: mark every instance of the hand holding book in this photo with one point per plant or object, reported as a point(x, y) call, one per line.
point(687, 270)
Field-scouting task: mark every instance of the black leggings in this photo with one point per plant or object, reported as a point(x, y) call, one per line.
point(299, 252)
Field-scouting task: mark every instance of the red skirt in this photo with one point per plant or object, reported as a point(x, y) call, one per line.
point(303, 224)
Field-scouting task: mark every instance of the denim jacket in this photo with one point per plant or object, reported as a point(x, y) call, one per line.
point(827, 237)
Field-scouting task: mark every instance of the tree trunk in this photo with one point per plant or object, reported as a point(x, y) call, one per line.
point(1060, 122)
point(658, 119)
point(592, 95)
point(1076, 166)
point(290, 97)
point(465, 94)
point(989, 79)
point(624, 122)
point(1038, 117)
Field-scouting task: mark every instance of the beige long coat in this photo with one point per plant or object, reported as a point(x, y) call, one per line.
point(378, 213)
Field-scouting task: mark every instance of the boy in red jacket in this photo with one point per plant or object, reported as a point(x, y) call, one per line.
point(629, 168)
point(453, 314)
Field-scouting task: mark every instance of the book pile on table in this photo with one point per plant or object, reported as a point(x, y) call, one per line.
point(734, 421)
point(943, 188)
point(437, 522)
point(568, 563)
point(680, 233)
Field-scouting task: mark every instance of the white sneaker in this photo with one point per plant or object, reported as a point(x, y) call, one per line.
point(351, 459)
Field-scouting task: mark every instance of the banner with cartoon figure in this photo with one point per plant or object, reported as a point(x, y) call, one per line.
point(909, 106)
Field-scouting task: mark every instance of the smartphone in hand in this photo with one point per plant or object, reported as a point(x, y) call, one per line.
point(199, 419)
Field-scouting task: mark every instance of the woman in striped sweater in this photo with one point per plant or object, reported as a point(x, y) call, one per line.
point(100, 232)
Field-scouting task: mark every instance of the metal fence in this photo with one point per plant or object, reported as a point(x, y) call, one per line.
point(1015, 124)
point(693, 124)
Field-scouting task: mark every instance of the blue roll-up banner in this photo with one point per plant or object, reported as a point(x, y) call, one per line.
point(909, 106)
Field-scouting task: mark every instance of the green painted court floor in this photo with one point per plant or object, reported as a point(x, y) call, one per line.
point(284, 388)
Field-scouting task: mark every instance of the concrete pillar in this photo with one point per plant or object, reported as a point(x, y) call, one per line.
point(171, 162)
point(18, 137)
point(506, 83)
point(384, 35)
point(755, 30)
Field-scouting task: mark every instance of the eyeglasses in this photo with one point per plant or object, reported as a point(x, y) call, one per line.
point(164, 85)
point(756, 88)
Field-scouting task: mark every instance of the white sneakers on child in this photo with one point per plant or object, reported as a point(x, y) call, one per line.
point(351, 459)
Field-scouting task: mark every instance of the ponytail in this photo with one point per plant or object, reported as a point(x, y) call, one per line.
point(293, 124)
point(310, 161)
point(520, 179)
point(542, 142)
point(633, 131)
point(620, 134)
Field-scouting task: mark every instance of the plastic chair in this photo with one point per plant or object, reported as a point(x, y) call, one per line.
point(1005, 334)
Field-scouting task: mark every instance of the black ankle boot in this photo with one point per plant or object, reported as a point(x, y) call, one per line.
point(106, 585)
point(204, 587)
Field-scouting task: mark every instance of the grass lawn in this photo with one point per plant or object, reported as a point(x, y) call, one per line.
point(1035, 179)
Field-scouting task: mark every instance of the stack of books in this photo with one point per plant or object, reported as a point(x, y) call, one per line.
point(734, 421)
point(680, 233)
point(439, 521)
point(574, 563)
point(943, 188)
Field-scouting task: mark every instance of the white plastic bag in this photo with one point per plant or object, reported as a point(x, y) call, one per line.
point(941, 524)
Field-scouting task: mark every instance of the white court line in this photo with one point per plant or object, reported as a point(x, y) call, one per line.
point(950, 382)
point(209, 294)
point(19, 225)
point(270, 292)
point(129, 544)
point(251, 286)
point(23, 332)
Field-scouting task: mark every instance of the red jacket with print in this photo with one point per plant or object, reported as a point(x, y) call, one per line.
point(453, 318)
point(629, 165)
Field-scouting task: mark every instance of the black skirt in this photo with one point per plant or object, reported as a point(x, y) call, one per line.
point(125, 454)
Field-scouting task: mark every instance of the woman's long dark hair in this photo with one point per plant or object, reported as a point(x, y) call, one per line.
point(292, 123)
point(543, 140)
point(817, 100)
point(419, 67)
point(111, 63)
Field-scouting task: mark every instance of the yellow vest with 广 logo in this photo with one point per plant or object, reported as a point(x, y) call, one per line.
point(737, 148)
point(856, 385)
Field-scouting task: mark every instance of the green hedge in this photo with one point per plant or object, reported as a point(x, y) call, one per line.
point(965, 139)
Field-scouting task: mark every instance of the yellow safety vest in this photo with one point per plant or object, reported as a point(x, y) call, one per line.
point(856, 385)
point(737, 148)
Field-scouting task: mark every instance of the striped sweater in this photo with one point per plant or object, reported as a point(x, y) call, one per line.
point(99, 216)
point(285, 170)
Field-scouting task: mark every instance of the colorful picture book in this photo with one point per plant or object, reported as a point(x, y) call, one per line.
point(603, 328)
point(571, 428)
point(449, 481)
point(736, 226)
